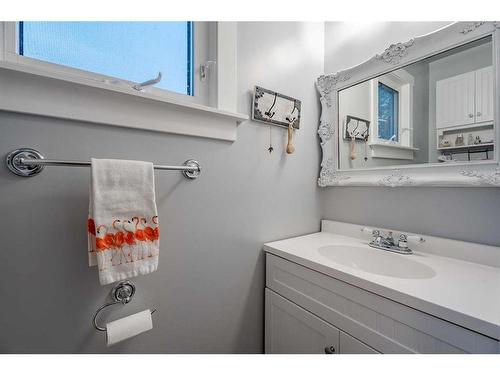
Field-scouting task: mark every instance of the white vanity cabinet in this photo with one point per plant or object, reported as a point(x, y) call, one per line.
point(291, 329)
point(465, 99)
point(310, 312)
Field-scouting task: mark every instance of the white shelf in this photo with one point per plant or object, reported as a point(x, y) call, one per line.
point(467, 126)
point(393, 145)
point(465, 146)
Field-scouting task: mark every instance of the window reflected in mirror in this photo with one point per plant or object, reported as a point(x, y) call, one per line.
point(388, 110)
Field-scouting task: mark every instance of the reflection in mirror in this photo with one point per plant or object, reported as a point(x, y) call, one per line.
point(437, 110)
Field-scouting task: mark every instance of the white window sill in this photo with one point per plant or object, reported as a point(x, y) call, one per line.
point(392, 151)
point(26, 89)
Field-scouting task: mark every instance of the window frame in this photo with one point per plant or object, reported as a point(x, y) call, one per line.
point(201, 92)
point(37, 91)
point(403, 83)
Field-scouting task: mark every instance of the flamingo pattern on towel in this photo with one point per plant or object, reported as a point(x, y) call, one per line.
point(124, 240)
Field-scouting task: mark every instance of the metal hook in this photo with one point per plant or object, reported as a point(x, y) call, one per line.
point(268, 113)
point(351, 133)
point(140, 86)
point(289, 118)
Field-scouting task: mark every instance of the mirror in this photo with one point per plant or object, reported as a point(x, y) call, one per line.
point(436, 110)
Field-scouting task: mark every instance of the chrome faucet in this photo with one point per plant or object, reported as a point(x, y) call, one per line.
point(388, 243)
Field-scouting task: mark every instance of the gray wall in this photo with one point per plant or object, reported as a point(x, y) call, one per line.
point(461, 213)
point(209, 286)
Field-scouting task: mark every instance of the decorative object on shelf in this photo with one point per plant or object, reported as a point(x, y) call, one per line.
point(477, 141)
point(459, 141)
point(444, 143)
point(290, 149)
point(470, 139)
point(276, 109)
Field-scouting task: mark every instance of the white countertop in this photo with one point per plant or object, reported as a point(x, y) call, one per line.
point(461, 292)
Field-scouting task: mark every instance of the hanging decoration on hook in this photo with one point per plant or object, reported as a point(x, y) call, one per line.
point(364, 134)
point(290, 148)
point(271, 148)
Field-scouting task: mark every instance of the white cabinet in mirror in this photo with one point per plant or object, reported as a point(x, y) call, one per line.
point(430, 108)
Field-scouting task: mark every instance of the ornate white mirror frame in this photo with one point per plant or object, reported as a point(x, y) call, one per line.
point(481, 173)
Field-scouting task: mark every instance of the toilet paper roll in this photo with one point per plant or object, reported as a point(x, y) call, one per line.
point(128, 327)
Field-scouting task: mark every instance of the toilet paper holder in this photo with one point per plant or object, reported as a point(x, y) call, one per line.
point(121, 293)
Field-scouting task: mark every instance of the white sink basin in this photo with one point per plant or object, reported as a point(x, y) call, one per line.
point(377, 261)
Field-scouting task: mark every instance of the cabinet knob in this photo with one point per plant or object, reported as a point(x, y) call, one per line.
point(471, 115)
point(479, 113)
point(329, 350)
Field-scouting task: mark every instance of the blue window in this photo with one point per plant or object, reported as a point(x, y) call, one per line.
point(388, 116)
point(132, 51)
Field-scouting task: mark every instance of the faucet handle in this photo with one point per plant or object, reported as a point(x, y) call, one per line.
point(373, 232)
point(415, 239)
point(404, 239)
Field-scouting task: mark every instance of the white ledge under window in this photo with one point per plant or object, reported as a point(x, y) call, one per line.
point(28, 89)
point(392, 151)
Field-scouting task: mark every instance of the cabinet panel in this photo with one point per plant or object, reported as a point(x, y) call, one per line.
point(383, 324)
point(455, 100)
point(349, 345)
point(293, 330)
point(484, 94)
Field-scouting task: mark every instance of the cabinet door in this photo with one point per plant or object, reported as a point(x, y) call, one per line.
point(455, 100)
point(350, 345)
point(292, 330)
point(484, 94)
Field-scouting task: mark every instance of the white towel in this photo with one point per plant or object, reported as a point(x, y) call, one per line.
point(123, 225)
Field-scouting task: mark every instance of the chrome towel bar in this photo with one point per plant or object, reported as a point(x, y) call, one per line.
point(27, 162)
